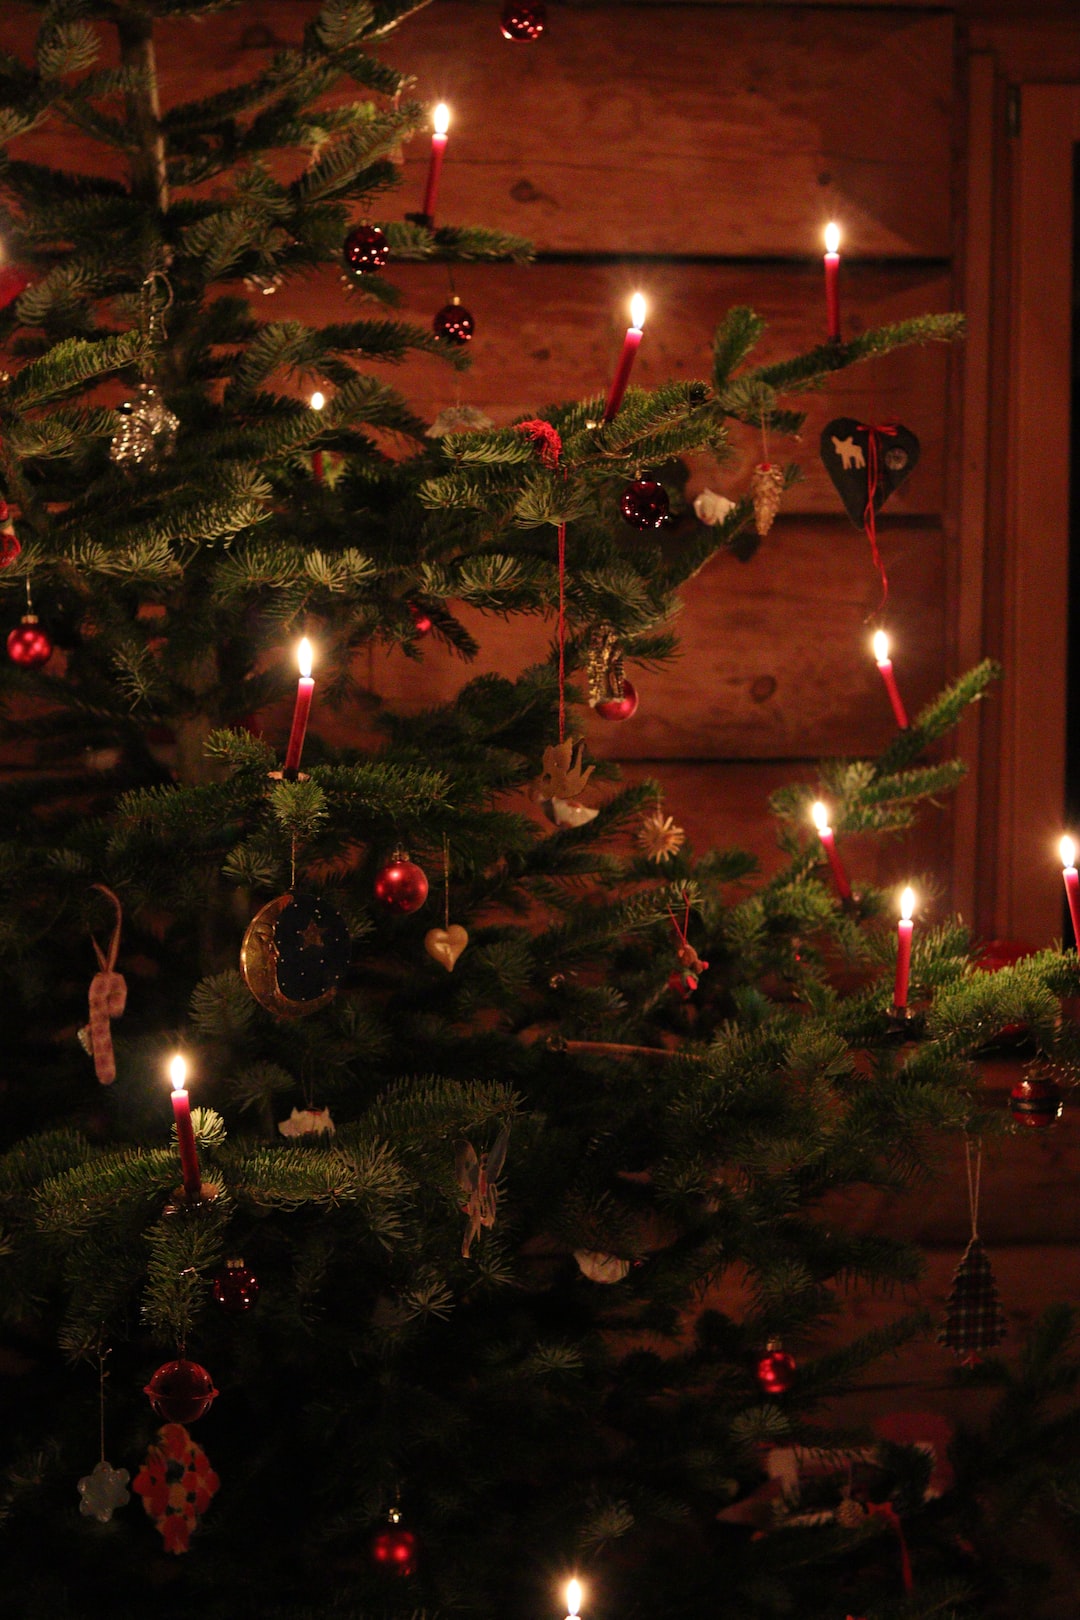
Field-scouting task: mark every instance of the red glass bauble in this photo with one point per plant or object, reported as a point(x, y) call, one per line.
point(420, 619)
point(236, 1287)
point(394, 1550)
point(523, 19)
point(775, 1371)
point(454, 323)
point(181, 1391)
point(620, 708)
point(1035, 1102)
point(28, 644)
point(366, 248)
point(401, 885)
point(644, 504)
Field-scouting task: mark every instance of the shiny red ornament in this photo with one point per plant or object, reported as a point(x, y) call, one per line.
point(644, 504)
point(181, 1391)
point(620, 708)
point(775, 1371)
point(454, 323)
point(394, 1550)
point(401, 885)
point(236, 1287)
point(523, 19)
point(1035, 1102)
point(366, 248)
point(28, 644)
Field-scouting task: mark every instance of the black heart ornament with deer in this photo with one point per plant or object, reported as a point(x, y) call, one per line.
point(855, 452)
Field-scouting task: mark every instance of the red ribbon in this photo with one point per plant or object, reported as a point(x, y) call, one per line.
point(873, 432)
point(886, 1511)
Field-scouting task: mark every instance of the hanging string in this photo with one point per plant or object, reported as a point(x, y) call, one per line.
point(446, 880)
point(102, 1357)
point(292, 866)
point(974, 1183)
point(874, 432)
point(562, 631)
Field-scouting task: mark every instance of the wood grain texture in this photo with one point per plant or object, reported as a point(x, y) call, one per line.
point(775, 659)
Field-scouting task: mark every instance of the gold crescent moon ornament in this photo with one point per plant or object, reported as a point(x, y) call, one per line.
point(295, 954)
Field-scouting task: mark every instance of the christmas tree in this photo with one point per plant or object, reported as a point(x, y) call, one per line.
point(437, 1278)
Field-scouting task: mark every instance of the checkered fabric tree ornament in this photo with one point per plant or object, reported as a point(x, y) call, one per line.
point(974, 1320)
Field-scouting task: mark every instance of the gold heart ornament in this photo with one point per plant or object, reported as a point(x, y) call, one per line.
point(445, 945)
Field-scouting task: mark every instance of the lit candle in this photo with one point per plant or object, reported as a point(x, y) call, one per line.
point(316, 402)
point(884, 664)
point(904, 929)
point(828, 844)
point(185, 1136)
point(832, 280)
point(573, 1600)
point(305, 686)
point(631, 344)
point(1072, 885)
point(441, 120)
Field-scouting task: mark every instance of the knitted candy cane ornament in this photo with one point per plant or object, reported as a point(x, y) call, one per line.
point(108, 997)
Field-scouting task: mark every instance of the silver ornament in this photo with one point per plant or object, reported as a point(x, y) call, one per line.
point(148, 431)
point(103, 1490)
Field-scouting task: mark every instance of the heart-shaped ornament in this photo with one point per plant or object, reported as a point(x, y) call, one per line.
point(445, 945)
point(849, 459)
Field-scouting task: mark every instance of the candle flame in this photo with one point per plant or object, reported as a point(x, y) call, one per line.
point(832, 237)
point(881, 647)
point(440, 118)
point(638, 307)
point(303, 658)
point(820, 815)
point(317, 400)
point(573, 1598)
point(1068, 851)
point(907, 904)
point(177, 1072)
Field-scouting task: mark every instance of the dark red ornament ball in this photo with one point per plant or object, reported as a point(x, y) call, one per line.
point(454, 323)
point(236, 1287)
point(28, 644)
point(181, 1391)
point(366, 248)
point(523, 19)
point(394, 1550)
point(1035, 1102)
point(420, 619)
point(401, 885)
point(644, 504)
point(775, 1372)
point(620, 708)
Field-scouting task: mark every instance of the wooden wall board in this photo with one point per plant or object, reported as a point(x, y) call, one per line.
point(775, 661)
point(784, 118)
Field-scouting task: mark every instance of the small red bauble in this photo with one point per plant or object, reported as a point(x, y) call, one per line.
point(28, 644)
point(620, 708)
point(394, 1550)
point(523, 19)
point(1035, 1102)
point(236, 1287)
point(775, 1371)
point(420, 619)
point(454, 323)
point(644, 504)
point(366, 248)
point(401, 885)
point(181, 1391)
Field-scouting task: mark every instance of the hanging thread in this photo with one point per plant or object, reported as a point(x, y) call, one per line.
point(875, 432)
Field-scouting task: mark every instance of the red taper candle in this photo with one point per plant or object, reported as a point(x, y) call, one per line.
point(904, 929)
point(1072, 885)
point(884, 664)
point(832, 281)
point(185, 1136)
point(305, 688)
point(828, 844)
point(441, 120)
point(316, 403)
point(631, 345)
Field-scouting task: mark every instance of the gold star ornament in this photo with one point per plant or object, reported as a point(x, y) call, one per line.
point(659, 838)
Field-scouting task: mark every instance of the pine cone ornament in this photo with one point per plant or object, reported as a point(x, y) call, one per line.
point(974, 1319)
point(766, 487)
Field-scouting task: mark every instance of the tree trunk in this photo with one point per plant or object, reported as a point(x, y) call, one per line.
point(148, 172)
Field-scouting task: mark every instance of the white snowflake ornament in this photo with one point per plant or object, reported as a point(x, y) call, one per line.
point(103, 1490)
